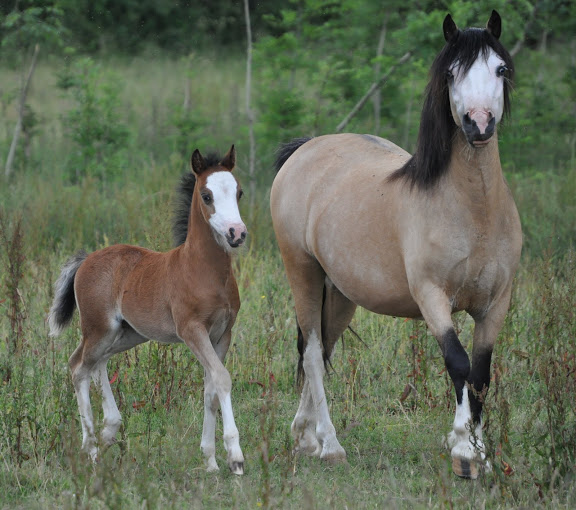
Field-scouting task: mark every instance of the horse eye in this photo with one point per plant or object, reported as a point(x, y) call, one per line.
point(501, 71)
point(207, 198)
point(449, 75)
point(240, 194)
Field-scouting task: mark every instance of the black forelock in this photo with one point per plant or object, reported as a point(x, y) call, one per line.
point(212, 159)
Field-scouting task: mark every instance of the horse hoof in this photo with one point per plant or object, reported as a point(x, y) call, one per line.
point(466, 468)
point(237, 468)
point(335, 457)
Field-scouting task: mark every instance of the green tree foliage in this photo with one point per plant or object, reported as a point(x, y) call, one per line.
point(94, 124)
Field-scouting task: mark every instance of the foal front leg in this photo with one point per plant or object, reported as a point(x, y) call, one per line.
point(217, 377)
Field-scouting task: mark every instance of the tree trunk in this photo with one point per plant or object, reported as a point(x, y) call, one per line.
point(377, 100)
point(18, 128)
point(249, 112)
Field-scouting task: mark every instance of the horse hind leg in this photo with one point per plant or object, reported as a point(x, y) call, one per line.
point(81, 375)
point(337, 312)
point(125, 339)
point(112, 417)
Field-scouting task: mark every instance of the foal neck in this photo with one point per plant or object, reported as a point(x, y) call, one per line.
point(201, 245)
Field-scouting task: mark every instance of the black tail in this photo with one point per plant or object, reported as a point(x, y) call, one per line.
point(287, 149)
point(64, 299)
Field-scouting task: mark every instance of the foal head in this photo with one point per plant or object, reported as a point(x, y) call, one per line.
point(478, 71)
point(218, 195)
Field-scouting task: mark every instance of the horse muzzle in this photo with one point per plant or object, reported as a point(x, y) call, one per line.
point(478, 126)
point(236, 235)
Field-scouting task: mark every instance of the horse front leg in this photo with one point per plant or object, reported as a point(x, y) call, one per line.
point(465, 440)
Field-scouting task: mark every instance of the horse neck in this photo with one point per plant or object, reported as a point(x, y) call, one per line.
point(201, 246)
point(476, 172)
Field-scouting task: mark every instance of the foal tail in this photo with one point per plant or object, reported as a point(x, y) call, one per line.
point(64, 299)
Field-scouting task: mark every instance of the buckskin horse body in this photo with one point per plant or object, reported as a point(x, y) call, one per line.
point(361, 222)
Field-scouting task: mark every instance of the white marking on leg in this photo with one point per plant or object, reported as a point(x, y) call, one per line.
point(112, 417)
point(461, 441)
point(82, 389)
point(231, 436)
point(314, 370)
point(208, 443)
point(304, 425)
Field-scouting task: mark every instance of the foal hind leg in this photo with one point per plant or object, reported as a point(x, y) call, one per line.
point(337, 312)
point(125, 340)
point(81, 374)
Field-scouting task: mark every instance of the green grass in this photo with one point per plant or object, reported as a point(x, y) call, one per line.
point(395, 457)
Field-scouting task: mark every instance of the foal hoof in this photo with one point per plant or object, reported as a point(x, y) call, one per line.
point(466, 468)
point(237, 468)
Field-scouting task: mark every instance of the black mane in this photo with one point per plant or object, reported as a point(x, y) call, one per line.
point(437, 127)
point(183, 200)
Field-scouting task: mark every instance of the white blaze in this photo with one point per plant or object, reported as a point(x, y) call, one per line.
point(226, 213)
point(481, 89)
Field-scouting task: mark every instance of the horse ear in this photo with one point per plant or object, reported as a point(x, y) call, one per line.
point(449, 27)
point(494, 25)
point(197, 162)
point(229, 160)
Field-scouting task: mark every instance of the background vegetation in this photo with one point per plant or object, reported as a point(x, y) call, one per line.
point(121, 94)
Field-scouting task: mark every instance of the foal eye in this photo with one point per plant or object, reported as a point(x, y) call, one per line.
point(501, 70)
point(207, 198)
point(240, 194)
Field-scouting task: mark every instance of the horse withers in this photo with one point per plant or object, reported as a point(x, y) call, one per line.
point(127, 295)
point(361, 222)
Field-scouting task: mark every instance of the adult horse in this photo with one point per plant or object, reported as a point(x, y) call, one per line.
point(361, 222)
point(127, 295)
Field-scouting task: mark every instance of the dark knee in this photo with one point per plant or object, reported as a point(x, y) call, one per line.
point(456, 361)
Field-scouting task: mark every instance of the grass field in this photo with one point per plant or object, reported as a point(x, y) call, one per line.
point(393, 441)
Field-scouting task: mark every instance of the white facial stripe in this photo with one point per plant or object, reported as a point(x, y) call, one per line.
point(479, 89)
point(224, 188)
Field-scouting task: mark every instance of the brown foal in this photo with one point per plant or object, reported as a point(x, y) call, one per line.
point(127, 295)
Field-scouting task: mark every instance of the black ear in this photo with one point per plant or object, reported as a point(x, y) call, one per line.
point(229, 160)
point(197, 162)
point(494, 25)
point(449, 27)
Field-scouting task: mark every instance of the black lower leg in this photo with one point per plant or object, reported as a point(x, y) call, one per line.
point(457, 362)
point(479, 381)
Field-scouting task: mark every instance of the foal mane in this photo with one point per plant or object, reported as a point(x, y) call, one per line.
point(437, 127)
point(183, 200)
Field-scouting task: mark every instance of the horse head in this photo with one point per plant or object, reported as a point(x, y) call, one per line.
point(477, 78)
point(219, 194)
